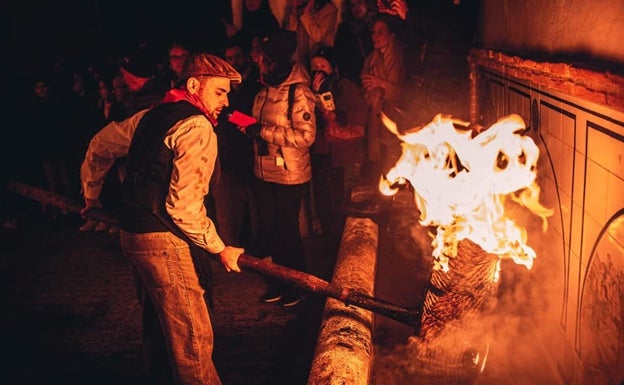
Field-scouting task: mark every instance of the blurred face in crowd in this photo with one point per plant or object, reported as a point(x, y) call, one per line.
point(41, 89)
point(381, 35)
point(254, 50)
point(78, 83)
point(235, 56)
point(264, 64)
point(212, 90)
point(177, 56)
point(104, 90)
point(119, 88)
point(359, 8)
point(253, 5)
point(320, 64)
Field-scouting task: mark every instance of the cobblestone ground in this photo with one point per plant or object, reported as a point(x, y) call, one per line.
point(70, 314)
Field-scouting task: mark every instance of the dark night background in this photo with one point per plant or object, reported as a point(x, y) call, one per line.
point(37, 30)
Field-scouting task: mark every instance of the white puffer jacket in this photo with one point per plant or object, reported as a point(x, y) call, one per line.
point(287, 160)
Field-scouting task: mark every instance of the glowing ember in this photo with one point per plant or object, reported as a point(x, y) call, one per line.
point(461, 184)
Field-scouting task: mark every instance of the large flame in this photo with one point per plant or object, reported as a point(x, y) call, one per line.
point(461, 183)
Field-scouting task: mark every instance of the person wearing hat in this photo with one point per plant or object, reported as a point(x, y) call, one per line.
point(146, 88)
point(171, 150)
point(286, 128)
point(338, 152)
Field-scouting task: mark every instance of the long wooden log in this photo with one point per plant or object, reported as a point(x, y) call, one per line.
point(297, 278)
point(62, 203)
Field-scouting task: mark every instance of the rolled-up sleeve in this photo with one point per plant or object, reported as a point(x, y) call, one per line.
point(194, 145)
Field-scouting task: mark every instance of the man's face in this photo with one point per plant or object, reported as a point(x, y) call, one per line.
point(213, 92)
point(236, 57)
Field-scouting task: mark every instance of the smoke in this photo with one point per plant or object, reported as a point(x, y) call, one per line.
point(508, 344)
point(525, 316)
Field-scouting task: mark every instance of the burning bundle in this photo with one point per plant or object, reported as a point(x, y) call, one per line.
point(462, 184)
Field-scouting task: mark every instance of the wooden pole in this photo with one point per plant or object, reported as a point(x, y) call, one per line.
point(316, 285)
point(297, 278)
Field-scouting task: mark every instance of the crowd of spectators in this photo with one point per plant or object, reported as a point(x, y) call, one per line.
point(310, 86)
point(377, 46)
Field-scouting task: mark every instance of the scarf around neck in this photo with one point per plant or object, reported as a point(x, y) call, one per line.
point(176, 95)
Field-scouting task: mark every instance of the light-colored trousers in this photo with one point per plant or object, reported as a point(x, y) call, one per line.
point(176, 323)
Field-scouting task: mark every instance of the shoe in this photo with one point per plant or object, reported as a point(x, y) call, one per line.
point(272, 295)
point(292, 298)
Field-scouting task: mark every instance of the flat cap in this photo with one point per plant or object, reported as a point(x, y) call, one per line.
point(205, 64)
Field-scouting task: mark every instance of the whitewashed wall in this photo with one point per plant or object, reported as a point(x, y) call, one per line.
point(576, 290)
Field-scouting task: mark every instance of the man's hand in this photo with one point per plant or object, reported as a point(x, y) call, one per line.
point(229, 258)
point(92, 224)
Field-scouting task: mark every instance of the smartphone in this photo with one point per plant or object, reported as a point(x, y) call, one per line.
point(240, 119)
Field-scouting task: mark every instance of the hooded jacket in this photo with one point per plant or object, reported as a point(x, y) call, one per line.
point(281, 154)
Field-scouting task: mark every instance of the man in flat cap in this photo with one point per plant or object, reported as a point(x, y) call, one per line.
point(171, 150)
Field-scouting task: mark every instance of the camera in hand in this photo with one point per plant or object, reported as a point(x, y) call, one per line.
point(327, 101)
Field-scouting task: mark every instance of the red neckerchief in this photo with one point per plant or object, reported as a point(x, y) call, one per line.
point(175, 95)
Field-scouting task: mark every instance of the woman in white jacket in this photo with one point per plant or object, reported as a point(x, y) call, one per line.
point(286, 129)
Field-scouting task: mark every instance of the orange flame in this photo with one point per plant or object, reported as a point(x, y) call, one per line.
point(461, 184)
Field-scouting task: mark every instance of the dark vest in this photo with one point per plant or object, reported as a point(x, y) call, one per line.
point(150, 164)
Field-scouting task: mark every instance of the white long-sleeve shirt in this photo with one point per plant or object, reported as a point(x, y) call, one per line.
point(194, 145)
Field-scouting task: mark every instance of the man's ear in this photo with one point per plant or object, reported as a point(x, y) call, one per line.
point(192, 84)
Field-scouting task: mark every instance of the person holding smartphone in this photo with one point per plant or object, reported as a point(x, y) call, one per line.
point(338, 152)
point(286, 129)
